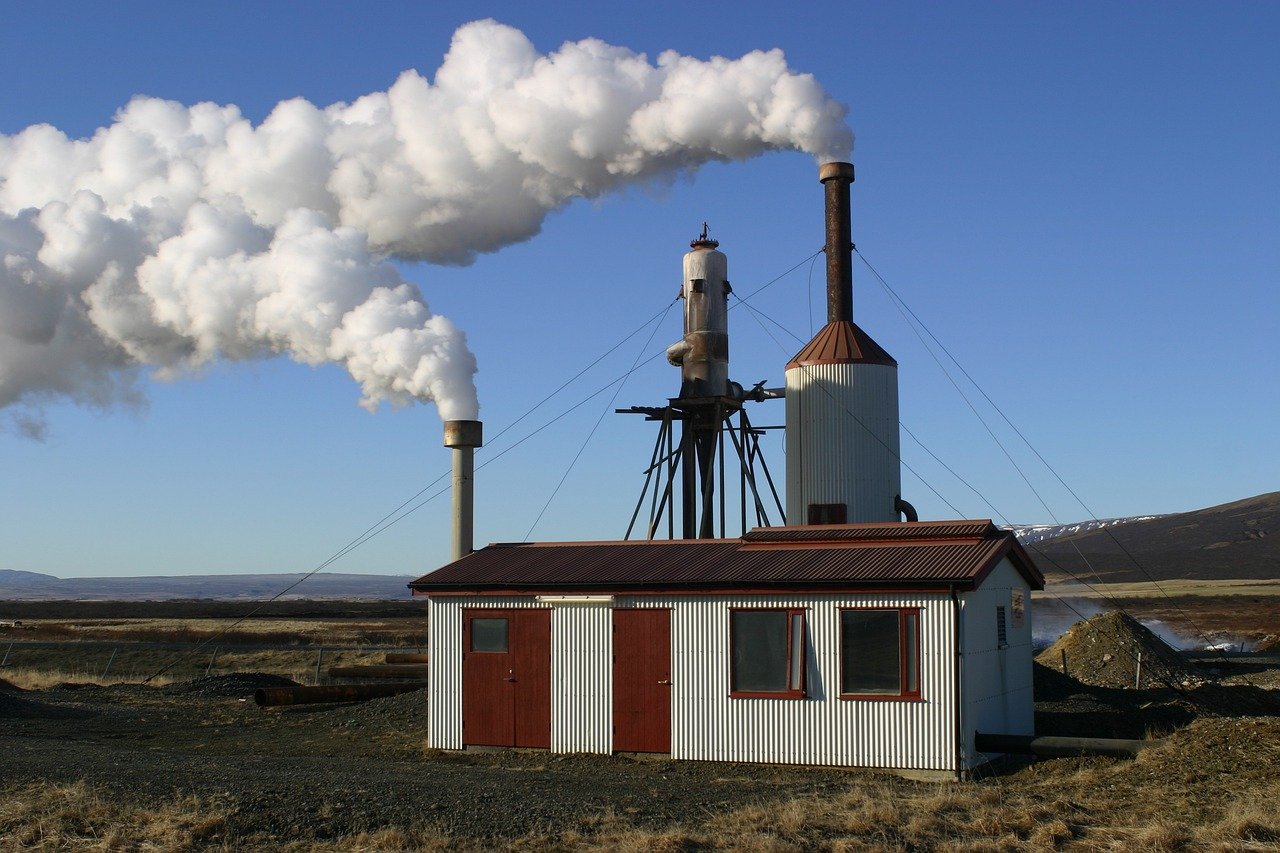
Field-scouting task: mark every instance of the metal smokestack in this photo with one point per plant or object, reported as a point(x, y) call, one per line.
point(843, 462)
point(463, 437)
point(703, 353)
point(836, 178)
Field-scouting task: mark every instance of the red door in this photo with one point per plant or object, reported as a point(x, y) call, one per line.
point(642, 680)
point(506, 677)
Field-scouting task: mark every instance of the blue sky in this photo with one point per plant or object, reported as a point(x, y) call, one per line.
point(1080, 200)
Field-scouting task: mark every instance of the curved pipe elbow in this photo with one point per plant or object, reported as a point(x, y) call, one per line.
point(903, 508)
point(676, 353)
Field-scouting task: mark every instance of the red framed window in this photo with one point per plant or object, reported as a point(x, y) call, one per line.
point(880, 653)
point(767, 653)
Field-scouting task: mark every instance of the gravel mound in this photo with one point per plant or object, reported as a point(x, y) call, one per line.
point(14, 706)
point(1269, 643)
point(238, 685)
point(1242, 749)
point(1103, 651)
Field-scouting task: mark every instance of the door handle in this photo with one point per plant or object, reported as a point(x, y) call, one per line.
point(666, 681)
point(510, 676)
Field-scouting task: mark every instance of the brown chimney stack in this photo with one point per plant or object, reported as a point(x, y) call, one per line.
point(836, 178)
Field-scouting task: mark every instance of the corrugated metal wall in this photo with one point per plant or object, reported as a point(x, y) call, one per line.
point(444, 690)
point(444, 687)
point(998, 695)
point(706, 723)
point(582, 678)
point(822, 729)
point(842, 440)
point(581, 673)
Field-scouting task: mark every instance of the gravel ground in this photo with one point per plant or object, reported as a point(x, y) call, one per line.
point(329, 771)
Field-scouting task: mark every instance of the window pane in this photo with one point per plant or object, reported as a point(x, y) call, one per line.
point(797, 650)
point(760, 650)
point(488, 635)
point(870, 660)
point(912, 662)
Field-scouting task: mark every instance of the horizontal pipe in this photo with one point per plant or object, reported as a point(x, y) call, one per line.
point(272, 697)
point(380, 670)
point(406, 657)
point(1059, 747)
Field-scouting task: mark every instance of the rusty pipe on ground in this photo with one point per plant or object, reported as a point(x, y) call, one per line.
point(406, 657)
point(275, 697)
point(380, 670)
point(1059, 747)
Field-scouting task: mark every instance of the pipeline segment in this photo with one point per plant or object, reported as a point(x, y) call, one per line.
point(416, 671)
point(406, 657)
point(1059, 747)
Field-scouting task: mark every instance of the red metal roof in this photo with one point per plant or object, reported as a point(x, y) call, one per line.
point(841, 342)
point(889, 555)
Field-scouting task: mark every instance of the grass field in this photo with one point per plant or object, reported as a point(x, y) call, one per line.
point(40, 668)
point(110, 645)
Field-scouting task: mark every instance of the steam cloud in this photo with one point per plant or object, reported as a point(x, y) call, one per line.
point(182, 235)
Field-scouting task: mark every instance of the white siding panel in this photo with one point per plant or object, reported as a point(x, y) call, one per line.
point(582, 678)
point(708, 724)
point(444, 687)
point(998, 695)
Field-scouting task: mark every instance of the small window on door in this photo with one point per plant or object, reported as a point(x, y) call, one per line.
point(488, 635)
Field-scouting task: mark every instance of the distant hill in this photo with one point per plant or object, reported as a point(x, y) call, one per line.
point(1235, 540)
point(1029, 534)
point(32, 586)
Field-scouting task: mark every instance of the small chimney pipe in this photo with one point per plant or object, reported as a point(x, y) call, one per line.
point(463, 437)
point(836, 178)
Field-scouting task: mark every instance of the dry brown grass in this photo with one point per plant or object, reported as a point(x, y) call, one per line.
point(1064, 808)
point(303, 632)
point(36, 669)
point(42, 679)
point(73, 817)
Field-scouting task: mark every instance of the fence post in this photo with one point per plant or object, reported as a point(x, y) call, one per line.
point(208, 669)
point(1064, 661)
point(5, 662)
point(110, 661)
point(1137, 675)
point(319, 660)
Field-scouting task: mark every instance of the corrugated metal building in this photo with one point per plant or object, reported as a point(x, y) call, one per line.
point(871, 645)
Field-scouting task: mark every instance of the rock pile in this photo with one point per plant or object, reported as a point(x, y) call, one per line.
point(1103, 651)
point(238, 685)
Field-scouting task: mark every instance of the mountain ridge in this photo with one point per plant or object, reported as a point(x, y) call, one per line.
point(1237, 540)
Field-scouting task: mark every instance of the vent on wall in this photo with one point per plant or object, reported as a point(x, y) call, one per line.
point(828, 514)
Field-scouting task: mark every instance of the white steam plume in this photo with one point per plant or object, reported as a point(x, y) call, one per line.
point(181, 235)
